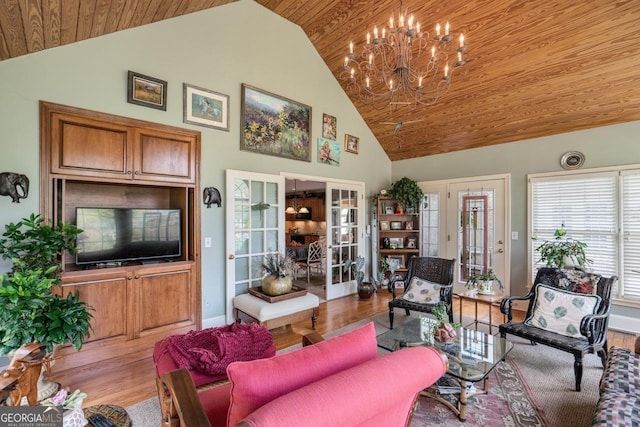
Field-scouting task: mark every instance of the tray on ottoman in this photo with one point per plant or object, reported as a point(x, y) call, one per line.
point(296, 291)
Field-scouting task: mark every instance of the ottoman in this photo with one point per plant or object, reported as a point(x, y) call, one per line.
point(275, 314)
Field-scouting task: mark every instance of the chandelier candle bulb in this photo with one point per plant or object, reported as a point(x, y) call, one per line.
point(351, 47)
point(461, 40)
point(438, 30)
point(368, 38)
point(375, 33)
point(446, 29)
point(418, 28)
point(446, 71)
point(391, 22)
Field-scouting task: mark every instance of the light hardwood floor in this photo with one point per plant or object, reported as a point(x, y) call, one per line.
point(126, 381)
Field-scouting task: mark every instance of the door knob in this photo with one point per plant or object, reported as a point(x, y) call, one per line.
point(500, 250)
point(500, 242)
point(232, 256)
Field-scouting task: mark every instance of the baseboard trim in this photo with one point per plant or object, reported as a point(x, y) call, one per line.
point(630, 325)
point(213, 322)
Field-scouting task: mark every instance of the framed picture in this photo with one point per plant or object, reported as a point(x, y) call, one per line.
point(328, 152)
point(388, 209)
point(411, 243)
point(396, 243)
point(329, 127)
point(396, 225)
point(384, 225)
point(397, 261)
point(398, 284)
point(351, 144)
point(205, 107)
point(147, 91)
point(408, 225)
point(274, 125)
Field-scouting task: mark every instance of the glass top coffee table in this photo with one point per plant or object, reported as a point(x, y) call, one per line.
point(472, 355)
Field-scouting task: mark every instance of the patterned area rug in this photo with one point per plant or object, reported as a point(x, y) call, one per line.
point(506, 404)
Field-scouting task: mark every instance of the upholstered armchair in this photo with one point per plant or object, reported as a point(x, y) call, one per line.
point(427, 284)
point(568, 309)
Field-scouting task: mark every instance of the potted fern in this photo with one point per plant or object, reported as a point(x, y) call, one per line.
point(483, 282)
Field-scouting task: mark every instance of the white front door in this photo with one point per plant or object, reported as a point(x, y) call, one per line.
point(255, 227)
point(468, 219)
point(345, 210)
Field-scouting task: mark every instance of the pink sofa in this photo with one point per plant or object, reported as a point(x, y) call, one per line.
point(337, 382)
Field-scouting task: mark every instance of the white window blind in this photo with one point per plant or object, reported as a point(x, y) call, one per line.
point(630, 235)
point(586, 204)
point(601, 209)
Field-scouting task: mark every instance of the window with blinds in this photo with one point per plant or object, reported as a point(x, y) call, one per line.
point(601, 209)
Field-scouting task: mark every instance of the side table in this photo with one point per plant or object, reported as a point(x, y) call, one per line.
point(484, 299)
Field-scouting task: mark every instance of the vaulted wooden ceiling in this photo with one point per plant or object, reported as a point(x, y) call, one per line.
point(535, 68)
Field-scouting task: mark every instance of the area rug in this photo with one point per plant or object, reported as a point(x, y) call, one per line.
point(535, 387)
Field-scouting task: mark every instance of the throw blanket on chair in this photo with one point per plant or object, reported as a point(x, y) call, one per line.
point(211, 350)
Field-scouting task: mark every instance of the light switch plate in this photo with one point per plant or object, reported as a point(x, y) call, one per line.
point(207, 242)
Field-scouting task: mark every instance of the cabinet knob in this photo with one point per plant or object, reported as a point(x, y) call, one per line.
point(137, 172)
point(129, 277)
point(137, 277)
point(128, 172)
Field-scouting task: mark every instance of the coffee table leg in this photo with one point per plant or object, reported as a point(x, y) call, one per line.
point(462, 401)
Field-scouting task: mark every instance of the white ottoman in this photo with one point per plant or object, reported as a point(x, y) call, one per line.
point(275, 314)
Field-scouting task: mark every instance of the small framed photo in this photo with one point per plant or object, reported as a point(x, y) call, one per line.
point(384, 225)
point(397, 261)
point(408, 225)
point(398, 284)
point(411, 243)
point(205, 107)
point(388, 209)
point(396, 225)
point(351, 144)
point(329, 127)
point(396, 243)
point(147, 91)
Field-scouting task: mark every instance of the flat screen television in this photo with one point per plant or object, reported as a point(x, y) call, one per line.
point(121, 234)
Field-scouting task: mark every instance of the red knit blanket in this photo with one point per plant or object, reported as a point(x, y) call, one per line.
point(211, 350)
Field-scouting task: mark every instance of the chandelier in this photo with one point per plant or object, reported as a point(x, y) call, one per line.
point(293, 209)
point(403, 65)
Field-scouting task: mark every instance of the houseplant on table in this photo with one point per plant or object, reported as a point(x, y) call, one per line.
point(483, 282)
point(562, 251)
point(406, 192)
point(31, 309)
point(279, 269)
point(443, 330)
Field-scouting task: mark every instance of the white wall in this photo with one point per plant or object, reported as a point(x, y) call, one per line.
point(217, 49)
point(603, 146)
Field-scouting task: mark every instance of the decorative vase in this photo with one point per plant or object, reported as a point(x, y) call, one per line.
point(485, 287)
point(399, 209)
point(276, 285)
point(365, 290)
point(445, 333)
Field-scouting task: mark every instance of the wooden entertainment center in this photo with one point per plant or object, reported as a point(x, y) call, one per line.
point(93, 159)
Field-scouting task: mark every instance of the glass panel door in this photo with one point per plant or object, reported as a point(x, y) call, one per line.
point(255, 227)
point(345, 236)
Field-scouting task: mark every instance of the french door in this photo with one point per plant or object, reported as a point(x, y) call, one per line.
point(345, 236)
point(255, 205)
point(469, 220)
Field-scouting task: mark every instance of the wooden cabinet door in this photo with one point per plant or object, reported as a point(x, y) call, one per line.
point(109, 296)
point(165, 297)
point(90, 147)
point(318, 213)
point(164, 156)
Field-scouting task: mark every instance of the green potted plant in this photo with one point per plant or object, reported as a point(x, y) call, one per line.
point(407, 192)
point(562, 251)
point(31, 308)
point(443, 330)
point(365, 289)
point(483, 282)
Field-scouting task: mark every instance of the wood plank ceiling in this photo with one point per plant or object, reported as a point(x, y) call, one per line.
point(535, 68)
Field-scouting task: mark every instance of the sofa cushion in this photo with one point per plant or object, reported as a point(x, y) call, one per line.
point(622, 371)
point(617, 409)
point(422, 291)
point(345, 398)
point(561, 311)
point(260, 381)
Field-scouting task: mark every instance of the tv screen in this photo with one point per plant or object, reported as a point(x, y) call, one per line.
point(120, 234)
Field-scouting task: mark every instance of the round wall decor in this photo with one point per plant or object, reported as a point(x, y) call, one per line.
point(572, 160)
